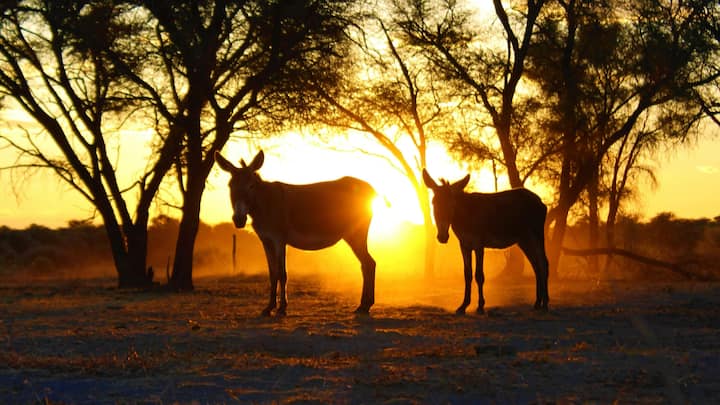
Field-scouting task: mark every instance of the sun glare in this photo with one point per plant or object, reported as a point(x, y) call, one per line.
point(297, 160)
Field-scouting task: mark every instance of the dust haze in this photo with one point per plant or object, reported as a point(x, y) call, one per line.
point(80, 251)
point(401, 278)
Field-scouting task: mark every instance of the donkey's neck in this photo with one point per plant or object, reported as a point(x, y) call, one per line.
point(261, 209)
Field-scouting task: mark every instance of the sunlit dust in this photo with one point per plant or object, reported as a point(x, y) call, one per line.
point(386, 218)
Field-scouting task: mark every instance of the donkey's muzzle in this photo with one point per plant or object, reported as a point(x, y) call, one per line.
point(239, 220)
point(443, 237)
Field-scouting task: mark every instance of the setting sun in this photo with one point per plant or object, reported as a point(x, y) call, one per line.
point(387, 217)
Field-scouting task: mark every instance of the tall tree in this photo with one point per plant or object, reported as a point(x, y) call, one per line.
point(196, 72)
point(389, 95)
point(228, 66)
point(489, 68)
point(51, 66)
point(607, 67)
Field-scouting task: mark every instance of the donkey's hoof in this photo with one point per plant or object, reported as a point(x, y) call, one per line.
point(480, 311)
point(460, 311)
point(281, 312)
point(266, 312)
point(361, 310)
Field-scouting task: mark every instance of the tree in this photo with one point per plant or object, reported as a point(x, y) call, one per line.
point(390, 95)
point(226, 67)
point(195, 72)
point(488, 68)
point(604, 76)
point(51, 66)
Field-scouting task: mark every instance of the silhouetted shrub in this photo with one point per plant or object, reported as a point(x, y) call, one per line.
point(81, 245)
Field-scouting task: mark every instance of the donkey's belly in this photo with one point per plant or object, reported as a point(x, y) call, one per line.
point(486, 240)
point(306, 241)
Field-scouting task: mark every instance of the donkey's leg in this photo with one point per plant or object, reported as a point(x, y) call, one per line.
point(534, 251)
point(480, 279)
point(545, 269)
point(467, 268)
point(358, 243)
point(282, 273)
point(271, 256)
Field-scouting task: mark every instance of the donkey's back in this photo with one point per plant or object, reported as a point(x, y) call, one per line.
point(504, 217)
point(327, 210)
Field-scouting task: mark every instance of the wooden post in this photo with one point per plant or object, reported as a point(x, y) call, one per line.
point(234, 242)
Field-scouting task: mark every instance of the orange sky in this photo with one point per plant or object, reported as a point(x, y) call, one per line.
point(688, 182)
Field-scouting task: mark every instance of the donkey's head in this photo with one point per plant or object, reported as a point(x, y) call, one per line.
point(243, 185)
point(444, 200)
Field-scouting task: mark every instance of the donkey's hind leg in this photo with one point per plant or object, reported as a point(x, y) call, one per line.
point(358, 243)
point(534, 250)
point(282, 278)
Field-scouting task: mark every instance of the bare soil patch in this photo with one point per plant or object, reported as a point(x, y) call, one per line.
point(87, 342)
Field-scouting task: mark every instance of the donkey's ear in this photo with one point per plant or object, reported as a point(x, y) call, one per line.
point(224, 163)
point(257, 161)
point(429, 180)
point(460, 185)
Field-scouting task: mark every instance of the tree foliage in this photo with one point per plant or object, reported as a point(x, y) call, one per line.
point(193, 72)
point(52, 68)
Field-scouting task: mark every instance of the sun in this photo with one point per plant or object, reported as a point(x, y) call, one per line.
point(388, 217)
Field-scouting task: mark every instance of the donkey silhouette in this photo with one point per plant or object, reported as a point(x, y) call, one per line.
point(308, 217)
point(494, 220)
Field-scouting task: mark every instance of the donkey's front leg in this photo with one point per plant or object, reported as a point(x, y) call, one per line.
point(480, 279)
point(282, 310)
point(467, 268)
point(273, 270)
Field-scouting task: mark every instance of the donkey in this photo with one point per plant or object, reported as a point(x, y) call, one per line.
point(309, 217)
point(493, 220)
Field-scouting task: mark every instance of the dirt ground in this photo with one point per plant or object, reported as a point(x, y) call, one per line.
point(603, 342)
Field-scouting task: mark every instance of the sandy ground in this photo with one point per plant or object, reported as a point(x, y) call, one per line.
point(87, 342)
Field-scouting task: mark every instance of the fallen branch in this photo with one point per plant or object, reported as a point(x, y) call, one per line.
point(675, 267)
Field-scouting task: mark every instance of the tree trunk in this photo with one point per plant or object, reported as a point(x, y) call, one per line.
point(593, 224)
point(509, 155)
point(129, 248)
point(554, 247)
point(181, 279)
point(430, 247)
point(610, 230)
point(131, 266)
point(129, 255)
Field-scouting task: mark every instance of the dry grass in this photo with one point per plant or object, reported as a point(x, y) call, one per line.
point(86, 342)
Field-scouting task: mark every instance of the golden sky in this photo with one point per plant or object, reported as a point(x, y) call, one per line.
point(688, 182)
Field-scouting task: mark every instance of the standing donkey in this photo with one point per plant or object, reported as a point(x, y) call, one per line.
point(493, 220)
point(309, 217)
